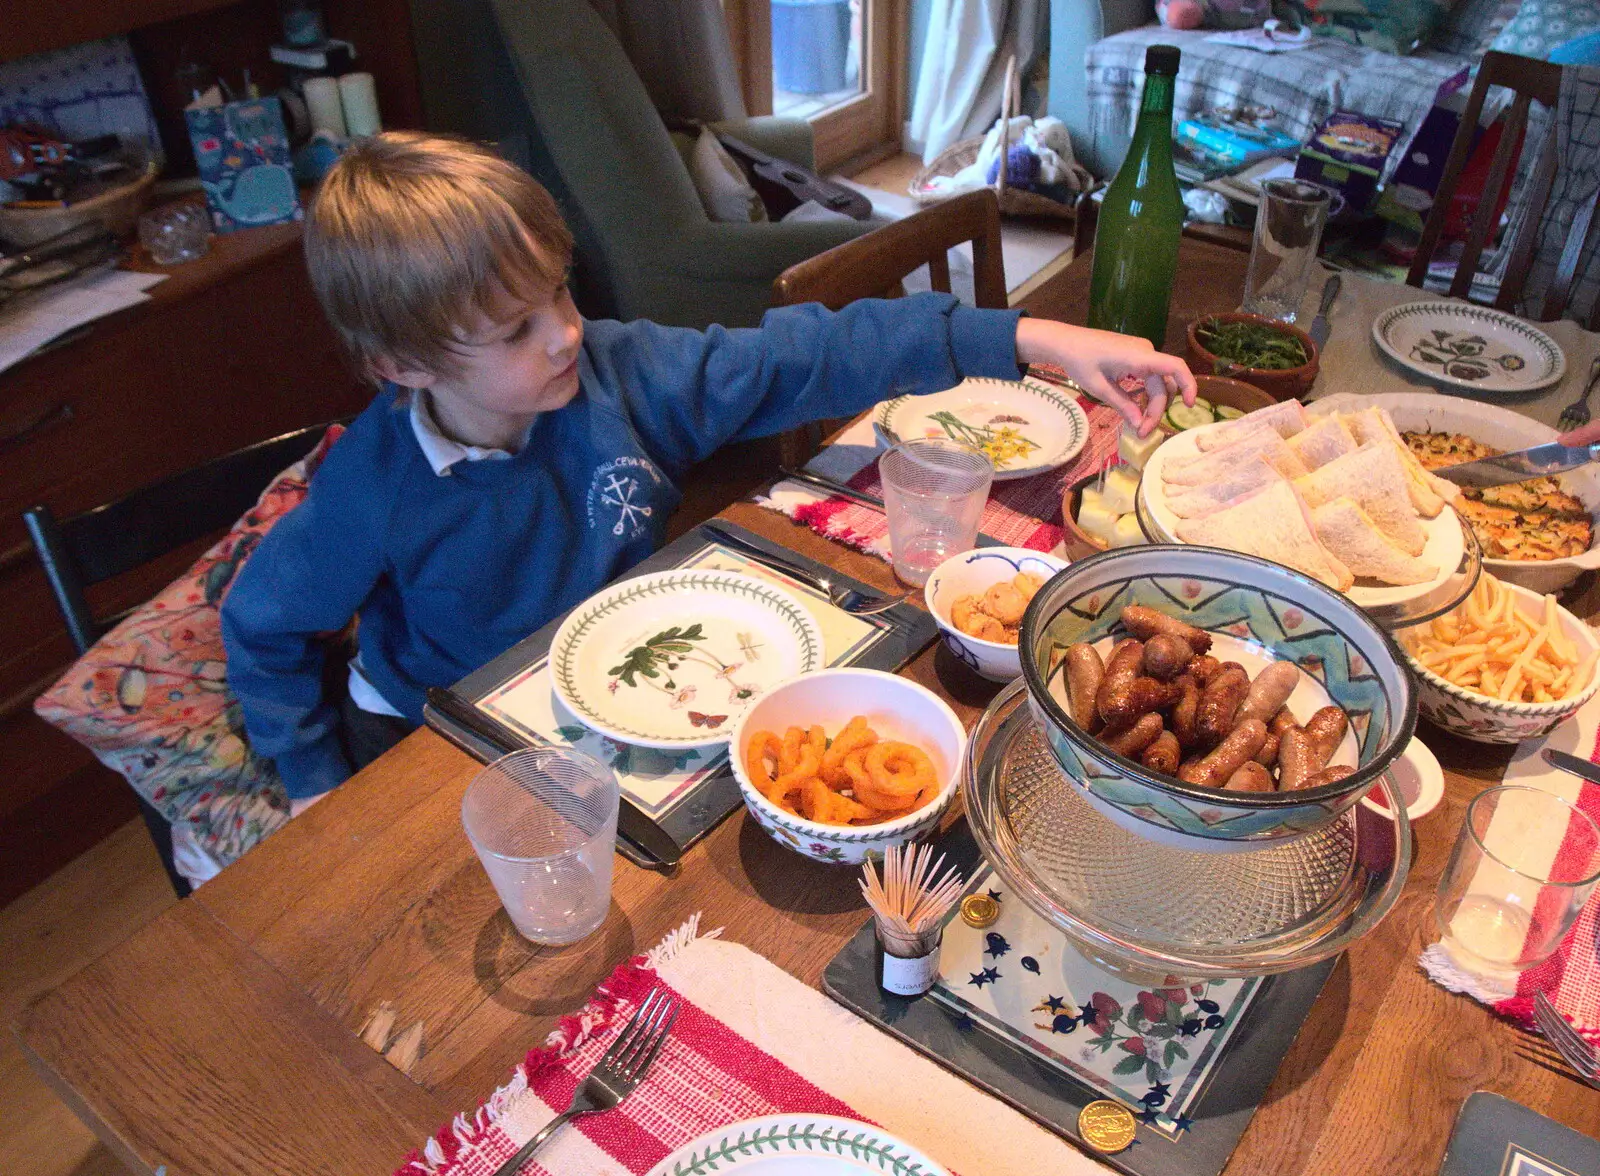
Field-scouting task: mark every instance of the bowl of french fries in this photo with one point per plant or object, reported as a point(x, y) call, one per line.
point(841, 764)
point(1507, 664)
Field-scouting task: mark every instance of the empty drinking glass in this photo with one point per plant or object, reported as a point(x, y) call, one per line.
point(543, 822)
point(1524, 864)
point(933, 493)
point(1283, 256)
point(175, 233)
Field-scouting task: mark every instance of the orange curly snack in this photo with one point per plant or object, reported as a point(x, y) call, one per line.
point(854, 779)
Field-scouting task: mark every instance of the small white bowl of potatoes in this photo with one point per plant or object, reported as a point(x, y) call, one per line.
point(978, 598)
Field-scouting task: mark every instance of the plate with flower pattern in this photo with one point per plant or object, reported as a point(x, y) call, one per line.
point(671, 659)
point(1474, 347)
point(1023, 426)
point(797, 1145)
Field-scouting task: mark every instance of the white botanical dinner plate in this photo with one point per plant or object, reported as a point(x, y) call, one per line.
point(1474, 347)
point(1025, 426)
point(671, 659)
point(797, 1145)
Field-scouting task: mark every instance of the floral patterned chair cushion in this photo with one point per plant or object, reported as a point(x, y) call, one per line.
point(151, 697)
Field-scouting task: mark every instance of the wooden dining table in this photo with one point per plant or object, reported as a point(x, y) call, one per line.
point(222, 1038)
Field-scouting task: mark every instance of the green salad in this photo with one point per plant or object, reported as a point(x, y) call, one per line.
point(1252, 345)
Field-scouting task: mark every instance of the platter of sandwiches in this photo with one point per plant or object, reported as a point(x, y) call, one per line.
point(1338, 496)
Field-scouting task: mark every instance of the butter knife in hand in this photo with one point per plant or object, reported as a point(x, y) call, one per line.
point(1519, 465)
point(1319, 326)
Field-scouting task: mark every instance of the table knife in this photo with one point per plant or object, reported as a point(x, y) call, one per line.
point(631, 823)
point(838, 489)
point(1519, 465)
point(1571, 763)
point(1319, 326)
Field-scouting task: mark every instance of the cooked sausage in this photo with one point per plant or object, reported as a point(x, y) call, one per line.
point(1268, 755)
point(1269, 691)
point(1294, 759)
point(1228, 757)
point(1165, 656)
point(1251, 777)
point(1083, 675)
point(1145, 623)
point(1281, 722)
point(1130, 741)
point(1326, 731)
point(1186, 711)
point(1329, 775)
point(1162, 755)
point(1219, 703)
point(1122, 667)
point(1204, 668)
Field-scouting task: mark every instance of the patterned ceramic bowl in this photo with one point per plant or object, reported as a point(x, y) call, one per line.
point(974, 573)
point(1483, 719)
point(1259, 611)
point(897, 708)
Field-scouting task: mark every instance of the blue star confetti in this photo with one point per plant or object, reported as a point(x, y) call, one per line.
point(1183, 1123)
point(994, 894)
point(1055, 1004)
point(995, 945)
point(987, 976)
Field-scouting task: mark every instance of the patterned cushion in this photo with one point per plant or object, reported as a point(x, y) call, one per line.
point(1304, 87)
point(1540, 25)
point(151, 698)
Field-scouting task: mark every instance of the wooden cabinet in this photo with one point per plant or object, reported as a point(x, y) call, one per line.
point(232, 349)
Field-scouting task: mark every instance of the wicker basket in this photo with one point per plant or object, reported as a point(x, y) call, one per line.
point(117, 210)
point(1013, 201)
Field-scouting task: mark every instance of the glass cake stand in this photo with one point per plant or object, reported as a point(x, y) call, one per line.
point(1138, 906)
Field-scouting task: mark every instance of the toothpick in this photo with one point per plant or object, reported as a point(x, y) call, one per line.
point(912, 894)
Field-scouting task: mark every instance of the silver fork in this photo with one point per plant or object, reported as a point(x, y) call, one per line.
point(1576, 414)
point(616, 1075)
point(851, 600)
point(1579, 1053)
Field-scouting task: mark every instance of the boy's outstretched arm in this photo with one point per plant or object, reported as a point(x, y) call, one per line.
point(1098, 360)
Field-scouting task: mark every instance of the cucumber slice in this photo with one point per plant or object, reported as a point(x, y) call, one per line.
point(1226, 412)
point(1183, 417)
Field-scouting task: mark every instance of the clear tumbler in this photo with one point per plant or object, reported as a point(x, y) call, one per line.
point(543, 822)
point(934, 492)
point(1523, 866)
point(1289, 223)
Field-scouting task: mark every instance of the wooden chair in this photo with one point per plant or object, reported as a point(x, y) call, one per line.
point(120, 536)
point(1532, 81)
point(877, 264)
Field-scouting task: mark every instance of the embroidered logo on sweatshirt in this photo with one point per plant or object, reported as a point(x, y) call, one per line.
point(620, 493)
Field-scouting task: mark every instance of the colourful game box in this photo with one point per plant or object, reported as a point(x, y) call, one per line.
point(1347, 154)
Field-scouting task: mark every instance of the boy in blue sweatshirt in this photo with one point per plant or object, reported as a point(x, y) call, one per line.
point(516, 457)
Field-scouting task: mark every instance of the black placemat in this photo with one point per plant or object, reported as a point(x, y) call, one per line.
point(1497, 1137)
point(1233, 1088)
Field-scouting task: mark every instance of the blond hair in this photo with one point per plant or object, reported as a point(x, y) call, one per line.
point(411, 233)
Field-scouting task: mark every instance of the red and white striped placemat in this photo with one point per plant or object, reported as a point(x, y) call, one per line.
point(750, 1041)
point(1025, 512)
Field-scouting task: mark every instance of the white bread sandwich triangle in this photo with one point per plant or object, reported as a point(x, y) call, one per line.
point(1319, 443)
point(1286, 418)
point(1198, 501)
point(1219, 463)
point(1273, 523)
point(1349, 532)
point(1428, 492)
point(1374, 478)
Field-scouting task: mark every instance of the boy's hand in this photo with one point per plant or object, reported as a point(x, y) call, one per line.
point(1098, 360)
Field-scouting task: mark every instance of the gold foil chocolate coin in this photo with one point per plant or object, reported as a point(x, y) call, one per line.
point(1106, 1126)
point(980, 911)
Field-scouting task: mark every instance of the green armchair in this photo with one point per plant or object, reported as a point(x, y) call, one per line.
point(549, 81)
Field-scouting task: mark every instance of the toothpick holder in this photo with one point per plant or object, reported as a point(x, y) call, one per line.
point(910, 962)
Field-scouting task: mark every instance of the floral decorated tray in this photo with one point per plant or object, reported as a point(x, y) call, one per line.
point(1019, 1012)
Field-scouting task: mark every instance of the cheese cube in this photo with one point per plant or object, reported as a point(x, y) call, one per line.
point(1121, 484)
point(1127, 533)
point(1136, 450)
point(1094, 517)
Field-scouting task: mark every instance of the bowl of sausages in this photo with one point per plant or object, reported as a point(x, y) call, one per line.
point(1211, 700)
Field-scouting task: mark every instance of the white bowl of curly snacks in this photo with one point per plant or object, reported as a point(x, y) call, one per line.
point(1507, 665)
point(978, 598)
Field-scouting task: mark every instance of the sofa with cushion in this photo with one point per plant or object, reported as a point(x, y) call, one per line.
point(1097, 72)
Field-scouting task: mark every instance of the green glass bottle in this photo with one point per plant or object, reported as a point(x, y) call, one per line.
point(1141, 220)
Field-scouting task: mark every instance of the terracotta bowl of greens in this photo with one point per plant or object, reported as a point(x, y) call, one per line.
point(1278, 358)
